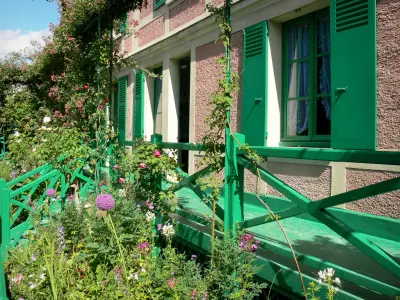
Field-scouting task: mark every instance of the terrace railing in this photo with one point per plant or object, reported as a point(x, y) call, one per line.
point(19, 196)
point(358, 229)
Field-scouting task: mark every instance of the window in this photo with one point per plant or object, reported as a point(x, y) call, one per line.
point(158, 3)
point(307, 81)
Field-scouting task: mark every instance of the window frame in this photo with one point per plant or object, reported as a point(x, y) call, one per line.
point(312, 139)
point(158, 4)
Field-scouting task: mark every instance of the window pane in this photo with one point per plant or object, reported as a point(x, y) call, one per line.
point(324, 116)
point(298, 42)
point(297, 117)
point(298, 79)
point(324, 75)
point(323, 35)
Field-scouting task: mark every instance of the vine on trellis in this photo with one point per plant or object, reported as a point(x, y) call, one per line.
point(219, 120)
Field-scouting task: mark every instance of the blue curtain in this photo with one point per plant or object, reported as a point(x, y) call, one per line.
point(323, 35)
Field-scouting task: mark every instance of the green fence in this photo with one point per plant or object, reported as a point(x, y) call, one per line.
point(374, 239)
point(18, 198)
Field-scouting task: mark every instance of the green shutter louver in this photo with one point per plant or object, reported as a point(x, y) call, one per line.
point(124, 25)
point(122, 93)
point(354, 75)
point(138, 110)
point(158, 3)
point(254, 80)
point(115, 109)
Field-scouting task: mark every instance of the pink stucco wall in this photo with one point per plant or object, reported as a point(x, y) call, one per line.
point(387, 204)
point(146, 9)
point(388, 16)
point(207, 74)
point(185, 11)
point(152, 31)
point(312, 181)
point(128, 44)
point(217, 2)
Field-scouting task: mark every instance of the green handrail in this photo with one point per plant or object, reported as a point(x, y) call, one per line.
point(2, 147)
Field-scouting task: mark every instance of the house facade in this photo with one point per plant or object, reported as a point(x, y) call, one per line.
point(313, 73)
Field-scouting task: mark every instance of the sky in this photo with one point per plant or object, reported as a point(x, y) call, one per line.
point(22, 21)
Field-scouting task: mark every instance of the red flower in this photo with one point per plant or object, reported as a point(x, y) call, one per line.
point(105, 100)
point(121, 180)
point(86, 87)
point(157, 154)
point(101, 106)
point(51, 51)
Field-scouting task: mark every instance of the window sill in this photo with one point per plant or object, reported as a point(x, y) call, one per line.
point(306, 144)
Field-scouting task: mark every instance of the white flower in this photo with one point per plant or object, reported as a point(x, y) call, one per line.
point(44, 140)
point(34, 150)
point(150, 216)
point(168, 230)
point(330, 272)
point(87, 205)
point(336, 289)
point(46, 120)
point(136, 276)
point(32, 286)
point(17, 134)
point(143, 270)
point(30, 276)
point(18, 141)
point(319, 281)
point(43, 127)
point(337, 281)
point(42, 276)
point(322, 275)
point(121, 193)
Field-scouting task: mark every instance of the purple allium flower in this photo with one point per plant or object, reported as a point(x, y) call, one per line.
point(105, 202)
point(144, 247)
point(193, 257)
point(51, 192)
point(248, 243)
point(12, 174)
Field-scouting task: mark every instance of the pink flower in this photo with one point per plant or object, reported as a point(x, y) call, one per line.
point(116, 167)
point(101, 106)
point(121, 180)
point(100, 184)
point(149, 205)
point(157, 154)
point(18, 279)
point(77, 89)
point(143, 166)
point(172, 282)
point(86, 87)
point(51, 51)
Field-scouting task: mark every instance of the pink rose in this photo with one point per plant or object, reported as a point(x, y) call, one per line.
point(121, 180)
point(143, 166)
point(101, 106)
point(157, 154)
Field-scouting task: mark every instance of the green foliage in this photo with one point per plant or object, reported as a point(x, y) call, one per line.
point(143, 171)
point(5, 170)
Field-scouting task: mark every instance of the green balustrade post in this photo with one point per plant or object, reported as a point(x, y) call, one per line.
point(156, 139)
point(234, 185)
point(5, 233)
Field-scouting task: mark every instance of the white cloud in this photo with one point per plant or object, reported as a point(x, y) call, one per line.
point(16, 40)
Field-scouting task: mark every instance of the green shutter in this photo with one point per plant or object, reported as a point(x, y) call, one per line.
point(158, 3)
point(138, 110)
point(254, 80)
point(115, 109)
point(353, 70)
point(122, 92)
point(124, 25)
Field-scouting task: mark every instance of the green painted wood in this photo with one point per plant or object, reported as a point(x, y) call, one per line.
point(354, 74)
point(254, 80)
point(5, 219)
point(361, 193)
point(234, 187)
point(357, 239)
point(34, 183)
point(187, 180)
point(115, 108)
point(158, 4)
point(138, 110)
point(187, 146)
point(359, 156)
point(19, 179)
point(283, 214)
point(122, 98)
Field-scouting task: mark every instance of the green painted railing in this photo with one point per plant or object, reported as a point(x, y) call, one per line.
point(356, 228)
point(25, 192)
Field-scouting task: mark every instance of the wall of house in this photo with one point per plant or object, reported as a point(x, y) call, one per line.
point(183, 27)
